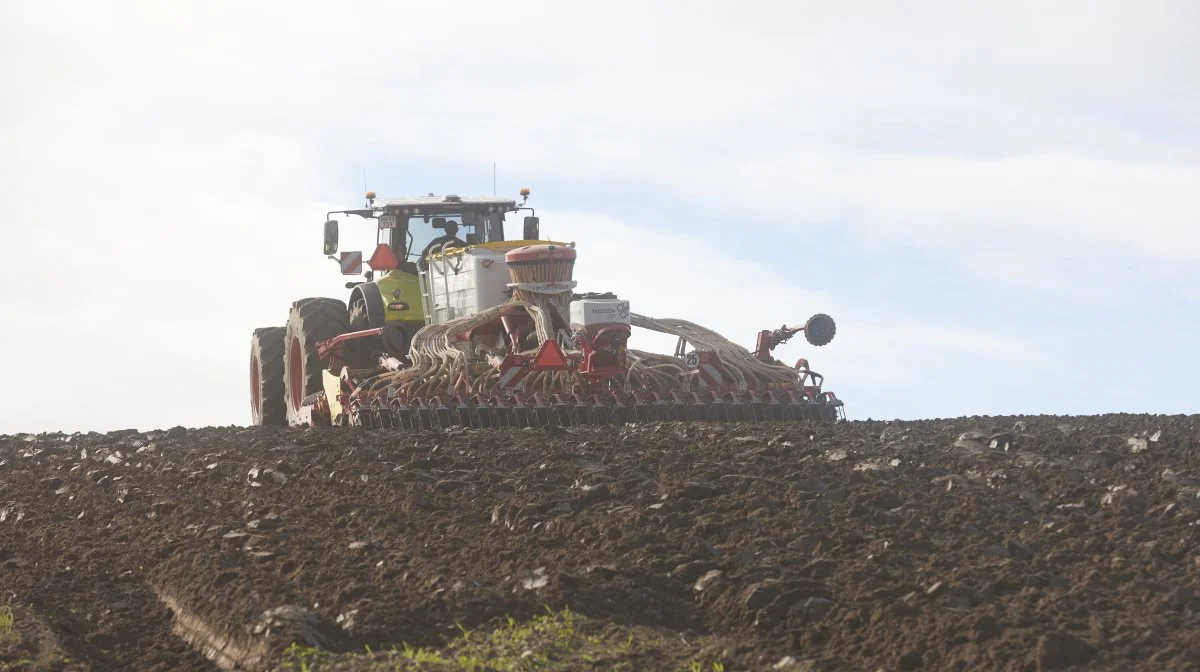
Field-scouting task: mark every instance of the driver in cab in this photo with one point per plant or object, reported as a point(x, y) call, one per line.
point(450, 239)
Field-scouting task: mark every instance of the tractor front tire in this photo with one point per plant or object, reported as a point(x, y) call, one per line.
point(310, 322)
point(358, 352)
point(267, 386)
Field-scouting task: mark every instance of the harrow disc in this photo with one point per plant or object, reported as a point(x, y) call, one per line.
point(477, 412)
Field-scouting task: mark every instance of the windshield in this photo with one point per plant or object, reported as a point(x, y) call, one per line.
point(421, 233)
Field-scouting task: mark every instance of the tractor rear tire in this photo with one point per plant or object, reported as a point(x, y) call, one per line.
point(267, 386)
point(310, 322)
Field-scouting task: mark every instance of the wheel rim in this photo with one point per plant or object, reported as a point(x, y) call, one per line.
point(296, 374)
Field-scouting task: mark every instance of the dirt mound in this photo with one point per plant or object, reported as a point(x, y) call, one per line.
point(1023, 543)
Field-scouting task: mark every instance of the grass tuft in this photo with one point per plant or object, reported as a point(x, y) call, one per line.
point(559, 640)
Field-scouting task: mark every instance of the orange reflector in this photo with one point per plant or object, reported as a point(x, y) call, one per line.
point(383, 259)
point(549, 357)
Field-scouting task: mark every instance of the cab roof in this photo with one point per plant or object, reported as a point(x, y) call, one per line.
point(448, 203)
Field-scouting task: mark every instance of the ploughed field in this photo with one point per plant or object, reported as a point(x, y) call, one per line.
point(978, 543)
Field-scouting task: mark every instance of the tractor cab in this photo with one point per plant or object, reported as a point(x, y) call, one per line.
point(409, 233)
point(407, 227)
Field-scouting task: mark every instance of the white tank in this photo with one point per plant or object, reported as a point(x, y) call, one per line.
point(462, 285)
point(589, 312)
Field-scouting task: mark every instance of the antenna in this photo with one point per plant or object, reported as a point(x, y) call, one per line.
point(493, 178)
point(364, 179)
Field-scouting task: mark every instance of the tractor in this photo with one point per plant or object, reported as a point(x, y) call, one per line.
point(484, 331)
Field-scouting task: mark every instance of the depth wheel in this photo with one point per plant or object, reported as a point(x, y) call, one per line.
point(310, 322)
point(267, 386)
point(820, 329)
point(829, 414)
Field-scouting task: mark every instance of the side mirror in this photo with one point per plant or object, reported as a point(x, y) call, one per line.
point(331, 236)
point(531, 229)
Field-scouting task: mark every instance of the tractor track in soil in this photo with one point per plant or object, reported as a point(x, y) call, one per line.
point(973, 543)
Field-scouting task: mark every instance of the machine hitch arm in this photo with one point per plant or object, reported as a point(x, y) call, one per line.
point(768, 339)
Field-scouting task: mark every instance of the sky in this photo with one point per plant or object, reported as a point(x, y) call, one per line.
point(997, 202)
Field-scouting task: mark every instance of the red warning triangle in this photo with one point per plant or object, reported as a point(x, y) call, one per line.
point(383, 259)
point(550, 357)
